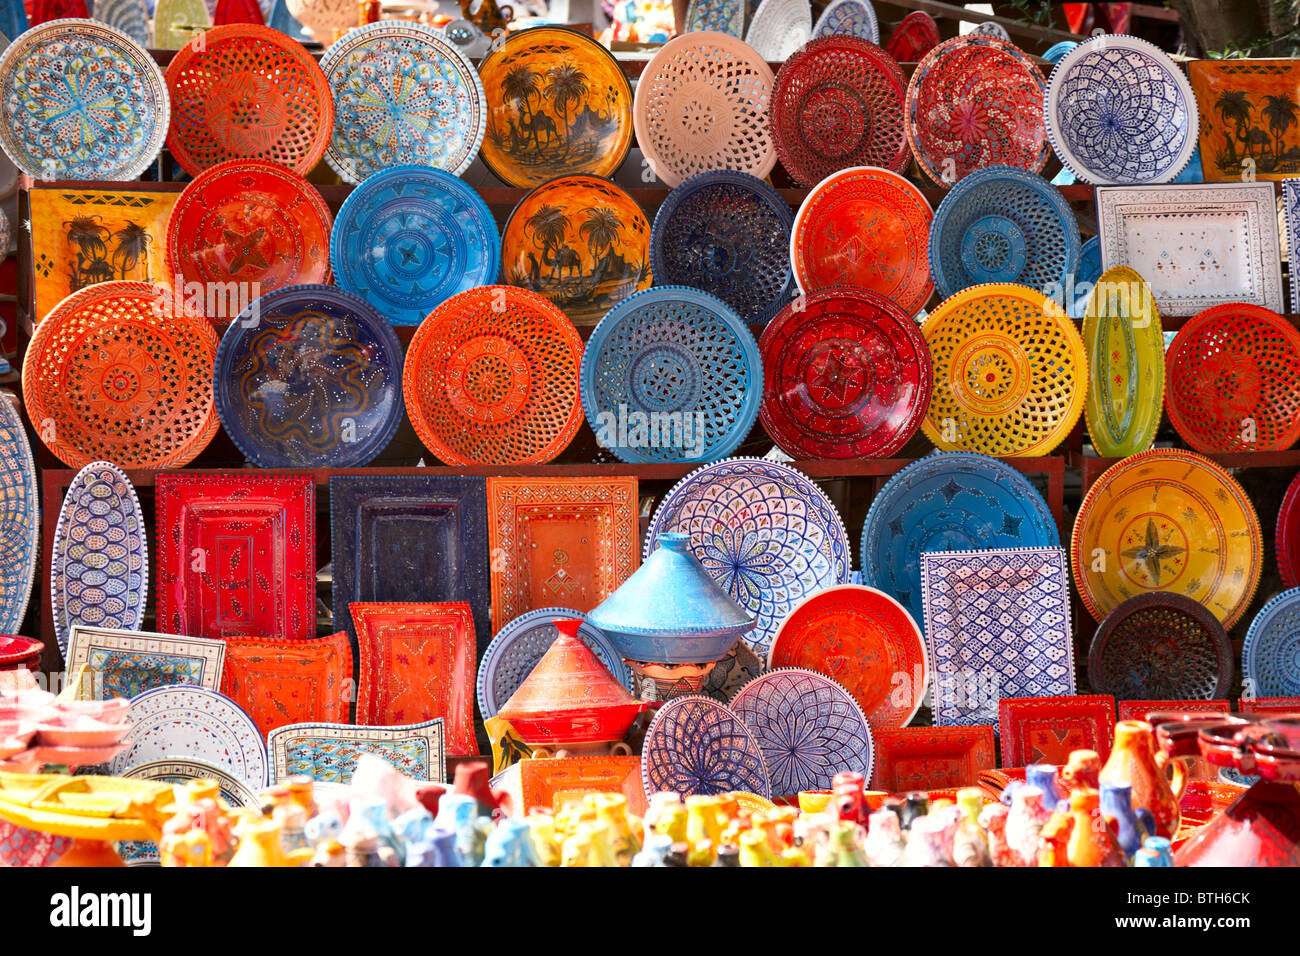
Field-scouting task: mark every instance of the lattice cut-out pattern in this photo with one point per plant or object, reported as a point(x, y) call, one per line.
point(1160, 646)
point(1270, 655)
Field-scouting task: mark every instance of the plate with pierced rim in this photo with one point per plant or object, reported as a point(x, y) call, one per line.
point(1270, 654)
point(779, 27)
point(696, 745)
point(20, 524)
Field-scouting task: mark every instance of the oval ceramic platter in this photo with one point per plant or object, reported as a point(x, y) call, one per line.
point(79, 100)
point(766, 533)
point(518, 646)
point(20, 522)
point(1270, 655)
point(99, 574)
point(402, 94)
point(948, 501)
point(183, 722)
point(696, 745)
point(808, 726)
point(309, 376)
point(1167, 520)
point(1126, 364)
point(410, 237)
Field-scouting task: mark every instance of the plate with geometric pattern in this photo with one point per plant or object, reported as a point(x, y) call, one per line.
point(696, 745)
point(1270, 655)
point(329, 752)
point(20, 526)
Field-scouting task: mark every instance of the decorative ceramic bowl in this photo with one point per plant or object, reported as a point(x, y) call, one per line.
point(915, 36)
point(1160, 646)
point(778, 28)
point(849, 18)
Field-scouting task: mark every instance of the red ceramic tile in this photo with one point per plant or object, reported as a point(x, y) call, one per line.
point(1138, 709)
point(1270, 705)
point(931, 758)
point(283, 682)
point(1047, 729)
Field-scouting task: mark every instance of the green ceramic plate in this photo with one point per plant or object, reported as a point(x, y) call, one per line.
point(1126, 364)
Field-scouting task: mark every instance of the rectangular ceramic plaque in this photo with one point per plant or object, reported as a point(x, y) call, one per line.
point(1250, 123)
point(1049, 729)
point(931, 758)
point(329, 752)
point(283, 682)
point(1138, 709)
point(1196, 246)
point(127, 663)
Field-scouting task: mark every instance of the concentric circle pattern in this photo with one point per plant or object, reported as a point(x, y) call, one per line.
point(808, 727)
point(696, 745)
point(1119, 111)
point(1010, 372)
point(671, 374)
point(838, 103)
point(492, 378)
point(701, 104)
point(1234, 380)
point(1270, 655)
point(847, 375)
point(122, 372)
point(1160, 647)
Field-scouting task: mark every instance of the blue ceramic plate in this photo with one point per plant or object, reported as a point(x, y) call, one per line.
point(808, 727)
point(948, 501)
point(697, 745)
point(727, 233)
point(1270, 655)
point(309, 376)
point(671, 374)
point(403, 94)
point(79, 100)
point(1120, 112)
point(721, 16)
point(856, 17)
point(1088, 273)
point(765, 532)
point(515, 651)
point(20, 523)
point(410, 237)
point(99, 571)
point(129, 17)
point(1003, 225)
point(1056, 51)
point(13, 19)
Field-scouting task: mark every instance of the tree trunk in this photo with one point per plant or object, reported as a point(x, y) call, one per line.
point(1213, 26)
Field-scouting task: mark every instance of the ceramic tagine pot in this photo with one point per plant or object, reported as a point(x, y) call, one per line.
point(570, 704)
point(1262, 827)
point(671, 621)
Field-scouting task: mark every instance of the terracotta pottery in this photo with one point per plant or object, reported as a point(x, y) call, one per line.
point(1133, 762)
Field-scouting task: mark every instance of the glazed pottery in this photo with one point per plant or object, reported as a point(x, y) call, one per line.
point(1238, 100)
point(1117, 805)
point(1133, 762)
point(1025, 822)
point(1092, 843)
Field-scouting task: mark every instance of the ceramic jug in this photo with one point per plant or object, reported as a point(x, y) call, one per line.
point(1025, 824)
point(1117, 806)
point(1133, 762)
point(1083, 769)
point(1092, 842)
point(1043, 776)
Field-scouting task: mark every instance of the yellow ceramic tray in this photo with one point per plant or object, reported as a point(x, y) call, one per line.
point(1167, 520)
point(1010, 374)
point(1126, 364)
point(94, 808)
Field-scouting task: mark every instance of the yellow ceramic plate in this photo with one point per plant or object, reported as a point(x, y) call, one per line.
point(1010, 374)
point(95, 808)
point(1167, 520)
point(1126, 364)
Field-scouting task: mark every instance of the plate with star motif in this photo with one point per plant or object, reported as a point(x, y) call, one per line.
point(1167, 521)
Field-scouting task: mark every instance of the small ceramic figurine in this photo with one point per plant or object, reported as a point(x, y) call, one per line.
point(884, 842)
point(655, 849)
point(611, 809)
point(656, 807)
point(970, 846)
point(846, 844)
point(755, 849)
point(1160, 847)
point(1092, 842)
point(1083, 769)
point(546, 846)
point(993, 819)
point(1043, 776)
point(1025, 824)
point(1117, 806)
point(850, 798)
point(1054, 841)
point(510, 844)
point(926, 840)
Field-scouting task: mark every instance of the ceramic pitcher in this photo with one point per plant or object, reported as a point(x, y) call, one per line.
point(1133, 762)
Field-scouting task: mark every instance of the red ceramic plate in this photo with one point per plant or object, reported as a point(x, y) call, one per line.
point(913, 38)
point(864, 639)
point(249, 221)
point(237, 555)
point(247, 92)
point(281, 682)
point(1270, 705)
point(976, 101)
point(1288, 535)
point(1047, 729)
point(1138, 709)
point(17, 651)
point(845, 375)
point(1232, 380)
point(867, 228)
point(931, 758)
point(837, 103)
point(122, 372)
point(491, 378)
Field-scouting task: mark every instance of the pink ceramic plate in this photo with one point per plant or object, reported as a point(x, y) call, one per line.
point(76, 733)
point(79, 756)
point(105, 711)
point(24, 762)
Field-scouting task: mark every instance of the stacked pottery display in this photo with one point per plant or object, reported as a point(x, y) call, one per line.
point(671, 621)
point(569, 704)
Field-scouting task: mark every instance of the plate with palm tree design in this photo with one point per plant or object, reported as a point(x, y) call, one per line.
point(582, 242)
point(558, 102)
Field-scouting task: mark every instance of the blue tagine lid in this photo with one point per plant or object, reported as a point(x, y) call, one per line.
point(671, 611)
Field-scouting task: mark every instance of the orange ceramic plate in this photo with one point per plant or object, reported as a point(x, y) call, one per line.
point(865, 640)
point(1237, 136)
point(931, 758)
point(582, 242)
point(558, 102)
point(868, 228)
point(1167, 520)
point(1010, 375)
point(281, 682)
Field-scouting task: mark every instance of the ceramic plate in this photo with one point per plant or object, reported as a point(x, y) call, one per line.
point(79, 100)
point(403, 93)
point(309, 377)
point(193, 723)
point(518, 646)
point(681, 355)
point(20, 525)
point(1287, 537)
point(100, 565)
point(867, 642)
point(1270, 655)
point(915, 36)
point(1049, 729)
point(329, 752)
point(808, 726)
point(948, 501)
point(766, 533)
point(129, 17)
point(410, 237)
point(696, 745)
point(778, 28)
point(582, 242)
point(855, 17)
point(128, 663)
point(867, 228)
point(1126, 368)
point(931, 758)
point(1120, 111)
point(1160, 646)
point(1167, 520)
point(721, 16)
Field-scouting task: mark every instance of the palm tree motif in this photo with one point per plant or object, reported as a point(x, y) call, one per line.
point(90, 236)
point(549, 226)
point(1282, 113)
point(1153, 552)
point(566, 87)
point(520, 86)
point(602, 230)
point(132, 249)
point(1234, 107)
